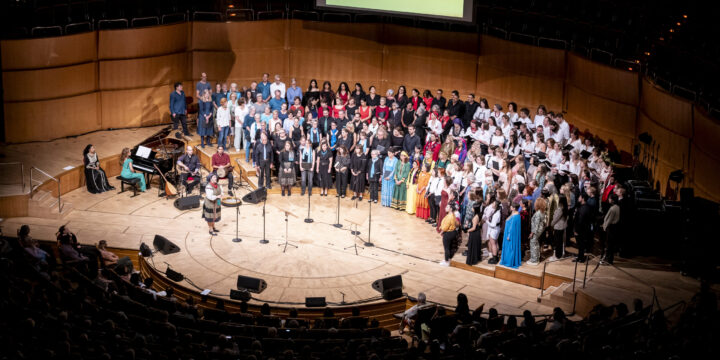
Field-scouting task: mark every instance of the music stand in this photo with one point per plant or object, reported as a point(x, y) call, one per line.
point(338, 224)
point(308, 219)
point(287, 213)
point(355, 217)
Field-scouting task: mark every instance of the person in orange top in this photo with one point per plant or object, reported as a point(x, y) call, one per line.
point(448, 228)
point(423, 208)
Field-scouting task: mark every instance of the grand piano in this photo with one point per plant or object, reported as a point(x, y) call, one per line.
point(164, 152)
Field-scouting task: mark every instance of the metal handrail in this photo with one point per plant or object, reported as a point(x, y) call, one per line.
point(654, 291)
point(22, 172)
point(542, 277)
point(34, 187)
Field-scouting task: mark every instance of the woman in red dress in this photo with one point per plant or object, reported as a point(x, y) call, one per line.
point(382, 112)
point(427, 99)
point(343, 92)
point(365, 111)
point(432, 145)
point(415, 99)
point(339, 106)
point(297, 107)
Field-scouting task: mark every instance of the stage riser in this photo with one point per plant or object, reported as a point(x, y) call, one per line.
point(515, 276)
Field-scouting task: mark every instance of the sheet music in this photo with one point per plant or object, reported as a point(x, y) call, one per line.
point(143, 152)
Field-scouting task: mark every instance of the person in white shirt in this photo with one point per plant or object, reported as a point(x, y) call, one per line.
point(410, 314)
point(289, 122)
point(563, 128)
point(483, 111)
point(524, 118)
point(528, 147)
point(473, 132)
point(275, 120)
point(491, 218)
point(435, 126)
point(512, 112)
point(575, 165)
point(496, 162)
point(492, 125)
point(540, 116)
point(506, 125)
point(241, 110)
point(278, 85)
point(222, 120)
point(498, 139)
point(512, 148)
point(497, 112)
point(575, 140)
point(479, 170)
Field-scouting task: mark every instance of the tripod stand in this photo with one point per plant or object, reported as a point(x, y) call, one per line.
point(287, 243)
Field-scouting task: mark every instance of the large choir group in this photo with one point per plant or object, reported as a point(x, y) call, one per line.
point(504, 176)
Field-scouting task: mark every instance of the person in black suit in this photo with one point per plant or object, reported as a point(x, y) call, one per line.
point(374, 173)
point(263, 153)
point(411, 140)
point(324, 122)
point(439, 100)
point(583, 227)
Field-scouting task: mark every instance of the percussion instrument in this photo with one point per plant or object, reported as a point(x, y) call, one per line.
point(231, 202)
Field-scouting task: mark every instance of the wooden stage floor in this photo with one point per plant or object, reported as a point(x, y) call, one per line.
point(321, 265)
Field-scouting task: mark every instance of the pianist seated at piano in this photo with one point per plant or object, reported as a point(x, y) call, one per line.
point(127, 169)
point(222, 168)
point(189, 166)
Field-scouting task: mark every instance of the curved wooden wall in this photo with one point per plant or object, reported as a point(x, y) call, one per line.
point(56, 87)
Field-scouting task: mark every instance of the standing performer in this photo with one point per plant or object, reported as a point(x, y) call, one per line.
point(412, 186)
point(95, 177)
point(342, 163)
point(190, 166)
point(263, 156)
point(448, 230)
point(422, 210)
point(374, 174)
point(286, 173)
point(127, 169)
point(324, 167)
point(306, 154)
point(358, 163)
point(402, 171)
point(388, 178)
point(222, 168)
point(211, 205)
point(178, 108)
point(205, 119)
point(474, 247)
point(512, 249)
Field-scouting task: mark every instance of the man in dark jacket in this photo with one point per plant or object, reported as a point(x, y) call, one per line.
point(263, 155)
point(411, 141)
point(373, 174)
point(583, 227)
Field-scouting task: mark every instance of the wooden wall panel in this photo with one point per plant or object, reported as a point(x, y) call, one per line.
point(609, 119)
point(144, 72)
point(334, 36)
point(137, 107)
point(673, 152)
point(248, 35)
point(602, 80)
point(668, 111)
point(143, 42)
point(51, 119)
point(336, 66)
point(704, 173)
point(240, 66)
point(706, 133)
point(48, 52)
point(29, 85)
point(521, 59)
point(500, 86)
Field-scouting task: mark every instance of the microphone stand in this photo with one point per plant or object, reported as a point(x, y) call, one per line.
point(355, 232)
point(369, 243)
point(264, 240)
point(308, 219)
point(237, 238)
point(338, 224)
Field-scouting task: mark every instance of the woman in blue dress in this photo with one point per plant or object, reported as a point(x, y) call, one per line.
point(388, 179)
point(205, 120)
point(511, 249)
point(127, 169)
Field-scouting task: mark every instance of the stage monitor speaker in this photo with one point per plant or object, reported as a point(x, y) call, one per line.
point(174, 275)
point(256, 196)
point(315, 302)
point(390, 287)
point(145, 250)
point(242, 295)
point(188, 202)
point(165, 246)
point(251, 284)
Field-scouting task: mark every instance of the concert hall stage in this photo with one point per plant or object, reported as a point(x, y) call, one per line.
point(323, 265)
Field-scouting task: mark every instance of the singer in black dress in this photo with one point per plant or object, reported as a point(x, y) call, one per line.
point(95, 177)
point(324, 166)
point(358, 164)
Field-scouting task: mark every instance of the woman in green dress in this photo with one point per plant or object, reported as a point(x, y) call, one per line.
point(402, 171)
point(127, 169)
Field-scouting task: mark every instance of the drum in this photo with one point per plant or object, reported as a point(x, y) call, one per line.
point(231, 202)
point(221, 173)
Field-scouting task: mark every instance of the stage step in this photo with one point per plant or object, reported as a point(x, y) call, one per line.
point(560, 296)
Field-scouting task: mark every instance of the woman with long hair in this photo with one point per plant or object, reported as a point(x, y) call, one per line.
point(537, 228)
point(324, 166)
point(327, 93)
point(343, 93)
point(422, 210)
point(358, 165)
point(127, 169)
point(559, 224)
point(205, 119)
point(388, 178)
point(474, 246)
point(286, 174)
point(95, 177)
point(511, 250)
point(342, 165)
point(412, 186)
point(313, 91)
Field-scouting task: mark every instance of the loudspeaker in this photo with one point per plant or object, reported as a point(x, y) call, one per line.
point(165, 246)
point(390, 287)
point(315, 302)
point(145, 250)
point(242, 295)
point(188, 202)
point(251, 284)
point(174, 275)
point(255, 196)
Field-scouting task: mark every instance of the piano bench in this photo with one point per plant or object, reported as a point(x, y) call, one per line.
point(129, 182)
